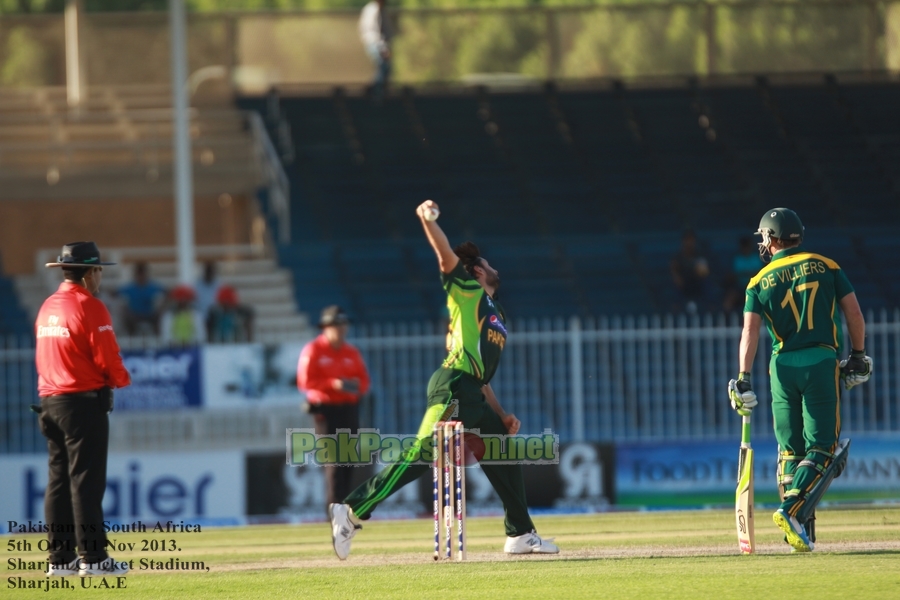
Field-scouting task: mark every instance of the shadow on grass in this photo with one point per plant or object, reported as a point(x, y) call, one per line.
point(865, 552)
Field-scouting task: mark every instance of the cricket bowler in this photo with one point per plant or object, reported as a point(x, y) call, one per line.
point(459, 389)
point(798, 294)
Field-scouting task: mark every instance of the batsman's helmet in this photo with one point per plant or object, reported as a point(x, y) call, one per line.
point(778, 223)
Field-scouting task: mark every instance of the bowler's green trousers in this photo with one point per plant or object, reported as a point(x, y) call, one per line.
point(806, 414)
point(452, 394)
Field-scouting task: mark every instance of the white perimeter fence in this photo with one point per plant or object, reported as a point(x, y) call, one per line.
point(611, 379)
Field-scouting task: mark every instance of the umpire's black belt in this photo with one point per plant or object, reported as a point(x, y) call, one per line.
point(90, 395)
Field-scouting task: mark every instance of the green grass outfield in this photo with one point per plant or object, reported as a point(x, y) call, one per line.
point(672, 555)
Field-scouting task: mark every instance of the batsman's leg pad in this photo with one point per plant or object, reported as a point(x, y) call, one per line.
point(832, 467)
point(785, 469)
point(810, 527)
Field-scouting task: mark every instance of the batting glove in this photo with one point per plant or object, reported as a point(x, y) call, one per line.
point(743, 399)
point(856, 370)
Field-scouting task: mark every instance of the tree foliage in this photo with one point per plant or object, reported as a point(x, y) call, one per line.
point(656, 39)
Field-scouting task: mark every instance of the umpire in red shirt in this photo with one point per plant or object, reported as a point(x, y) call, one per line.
point(78, 364)
point(334, 377)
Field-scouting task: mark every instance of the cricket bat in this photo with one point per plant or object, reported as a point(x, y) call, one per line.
point(743, 500)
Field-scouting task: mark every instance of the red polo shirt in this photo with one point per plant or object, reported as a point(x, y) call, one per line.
point(320, 364)
point(77, 349)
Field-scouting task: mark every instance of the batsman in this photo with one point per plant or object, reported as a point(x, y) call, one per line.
point(800, 296)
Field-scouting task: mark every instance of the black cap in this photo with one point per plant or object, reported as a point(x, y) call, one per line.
point(333, 315)
point(79, 254)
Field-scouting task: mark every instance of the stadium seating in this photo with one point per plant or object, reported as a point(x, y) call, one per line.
point(13, 320)
point(121, 135)
point(579, 196)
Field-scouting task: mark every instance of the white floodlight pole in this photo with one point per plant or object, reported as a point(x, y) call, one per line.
point(181, 141)
point(74, 75)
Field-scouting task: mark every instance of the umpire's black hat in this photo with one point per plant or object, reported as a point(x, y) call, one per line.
point(79, 254)
point(333, 315)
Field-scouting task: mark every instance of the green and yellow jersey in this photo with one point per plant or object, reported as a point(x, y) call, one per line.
point(797, 295)
point(477, 326)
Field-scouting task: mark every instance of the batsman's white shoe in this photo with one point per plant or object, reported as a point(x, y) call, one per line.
point(64, 569)
point(108, 566)
point(793, 531)
point(342, 529)
point(530, 543)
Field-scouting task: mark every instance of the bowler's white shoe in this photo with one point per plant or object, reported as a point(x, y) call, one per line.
point(530, 543)
point(64, 569)
point(342, 529)
point(108, 566)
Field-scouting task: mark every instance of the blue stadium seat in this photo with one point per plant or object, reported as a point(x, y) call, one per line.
point(13, 319)
point(579, 198)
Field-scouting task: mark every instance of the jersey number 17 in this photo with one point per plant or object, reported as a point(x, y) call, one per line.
point(813, 287)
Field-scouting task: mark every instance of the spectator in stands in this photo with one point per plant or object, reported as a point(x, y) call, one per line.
point(143, 300)
point(182, 324)
point(375, 31)
point(207, 288)
point(227, 320)
point(334, 377)
point(689, 273)
point(745, 264)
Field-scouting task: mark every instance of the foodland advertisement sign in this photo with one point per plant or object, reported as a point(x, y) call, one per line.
point(697, 474)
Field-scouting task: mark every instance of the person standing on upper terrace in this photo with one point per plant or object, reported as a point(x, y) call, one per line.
point(375, 31)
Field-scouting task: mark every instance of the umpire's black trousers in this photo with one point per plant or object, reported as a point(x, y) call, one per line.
point(77, 430)
point(329, 418)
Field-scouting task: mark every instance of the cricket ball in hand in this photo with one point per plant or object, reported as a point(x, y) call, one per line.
point(475, 447)
point(431, 213)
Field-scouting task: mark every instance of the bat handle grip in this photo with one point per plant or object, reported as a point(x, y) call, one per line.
point(745, 431)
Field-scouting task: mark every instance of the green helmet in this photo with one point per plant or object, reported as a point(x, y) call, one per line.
point(780, 223)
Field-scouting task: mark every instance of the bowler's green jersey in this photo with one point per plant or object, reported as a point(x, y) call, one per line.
point(477, 326)
point(797, 295)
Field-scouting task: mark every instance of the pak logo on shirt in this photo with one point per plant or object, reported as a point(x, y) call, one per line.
point(495, 322)
point(497, 337)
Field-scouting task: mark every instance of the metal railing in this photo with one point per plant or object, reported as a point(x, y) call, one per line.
point(435, 45)
point(658, 377)
point(645, 378)
point(276, 180)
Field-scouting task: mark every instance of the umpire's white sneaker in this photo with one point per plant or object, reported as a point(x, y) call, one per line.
point(64, 569)
point(530, 543)
point(108, 566)
point(342, 528)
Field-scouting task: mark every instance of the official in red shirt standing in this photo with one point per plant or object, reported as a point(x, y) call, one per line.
point(78, 365)
point(334, 377)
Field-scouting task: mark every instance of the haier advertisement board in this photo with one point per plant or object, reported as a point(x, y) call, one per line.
point(195, 487)
point(162, 379)
point(212, 376)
